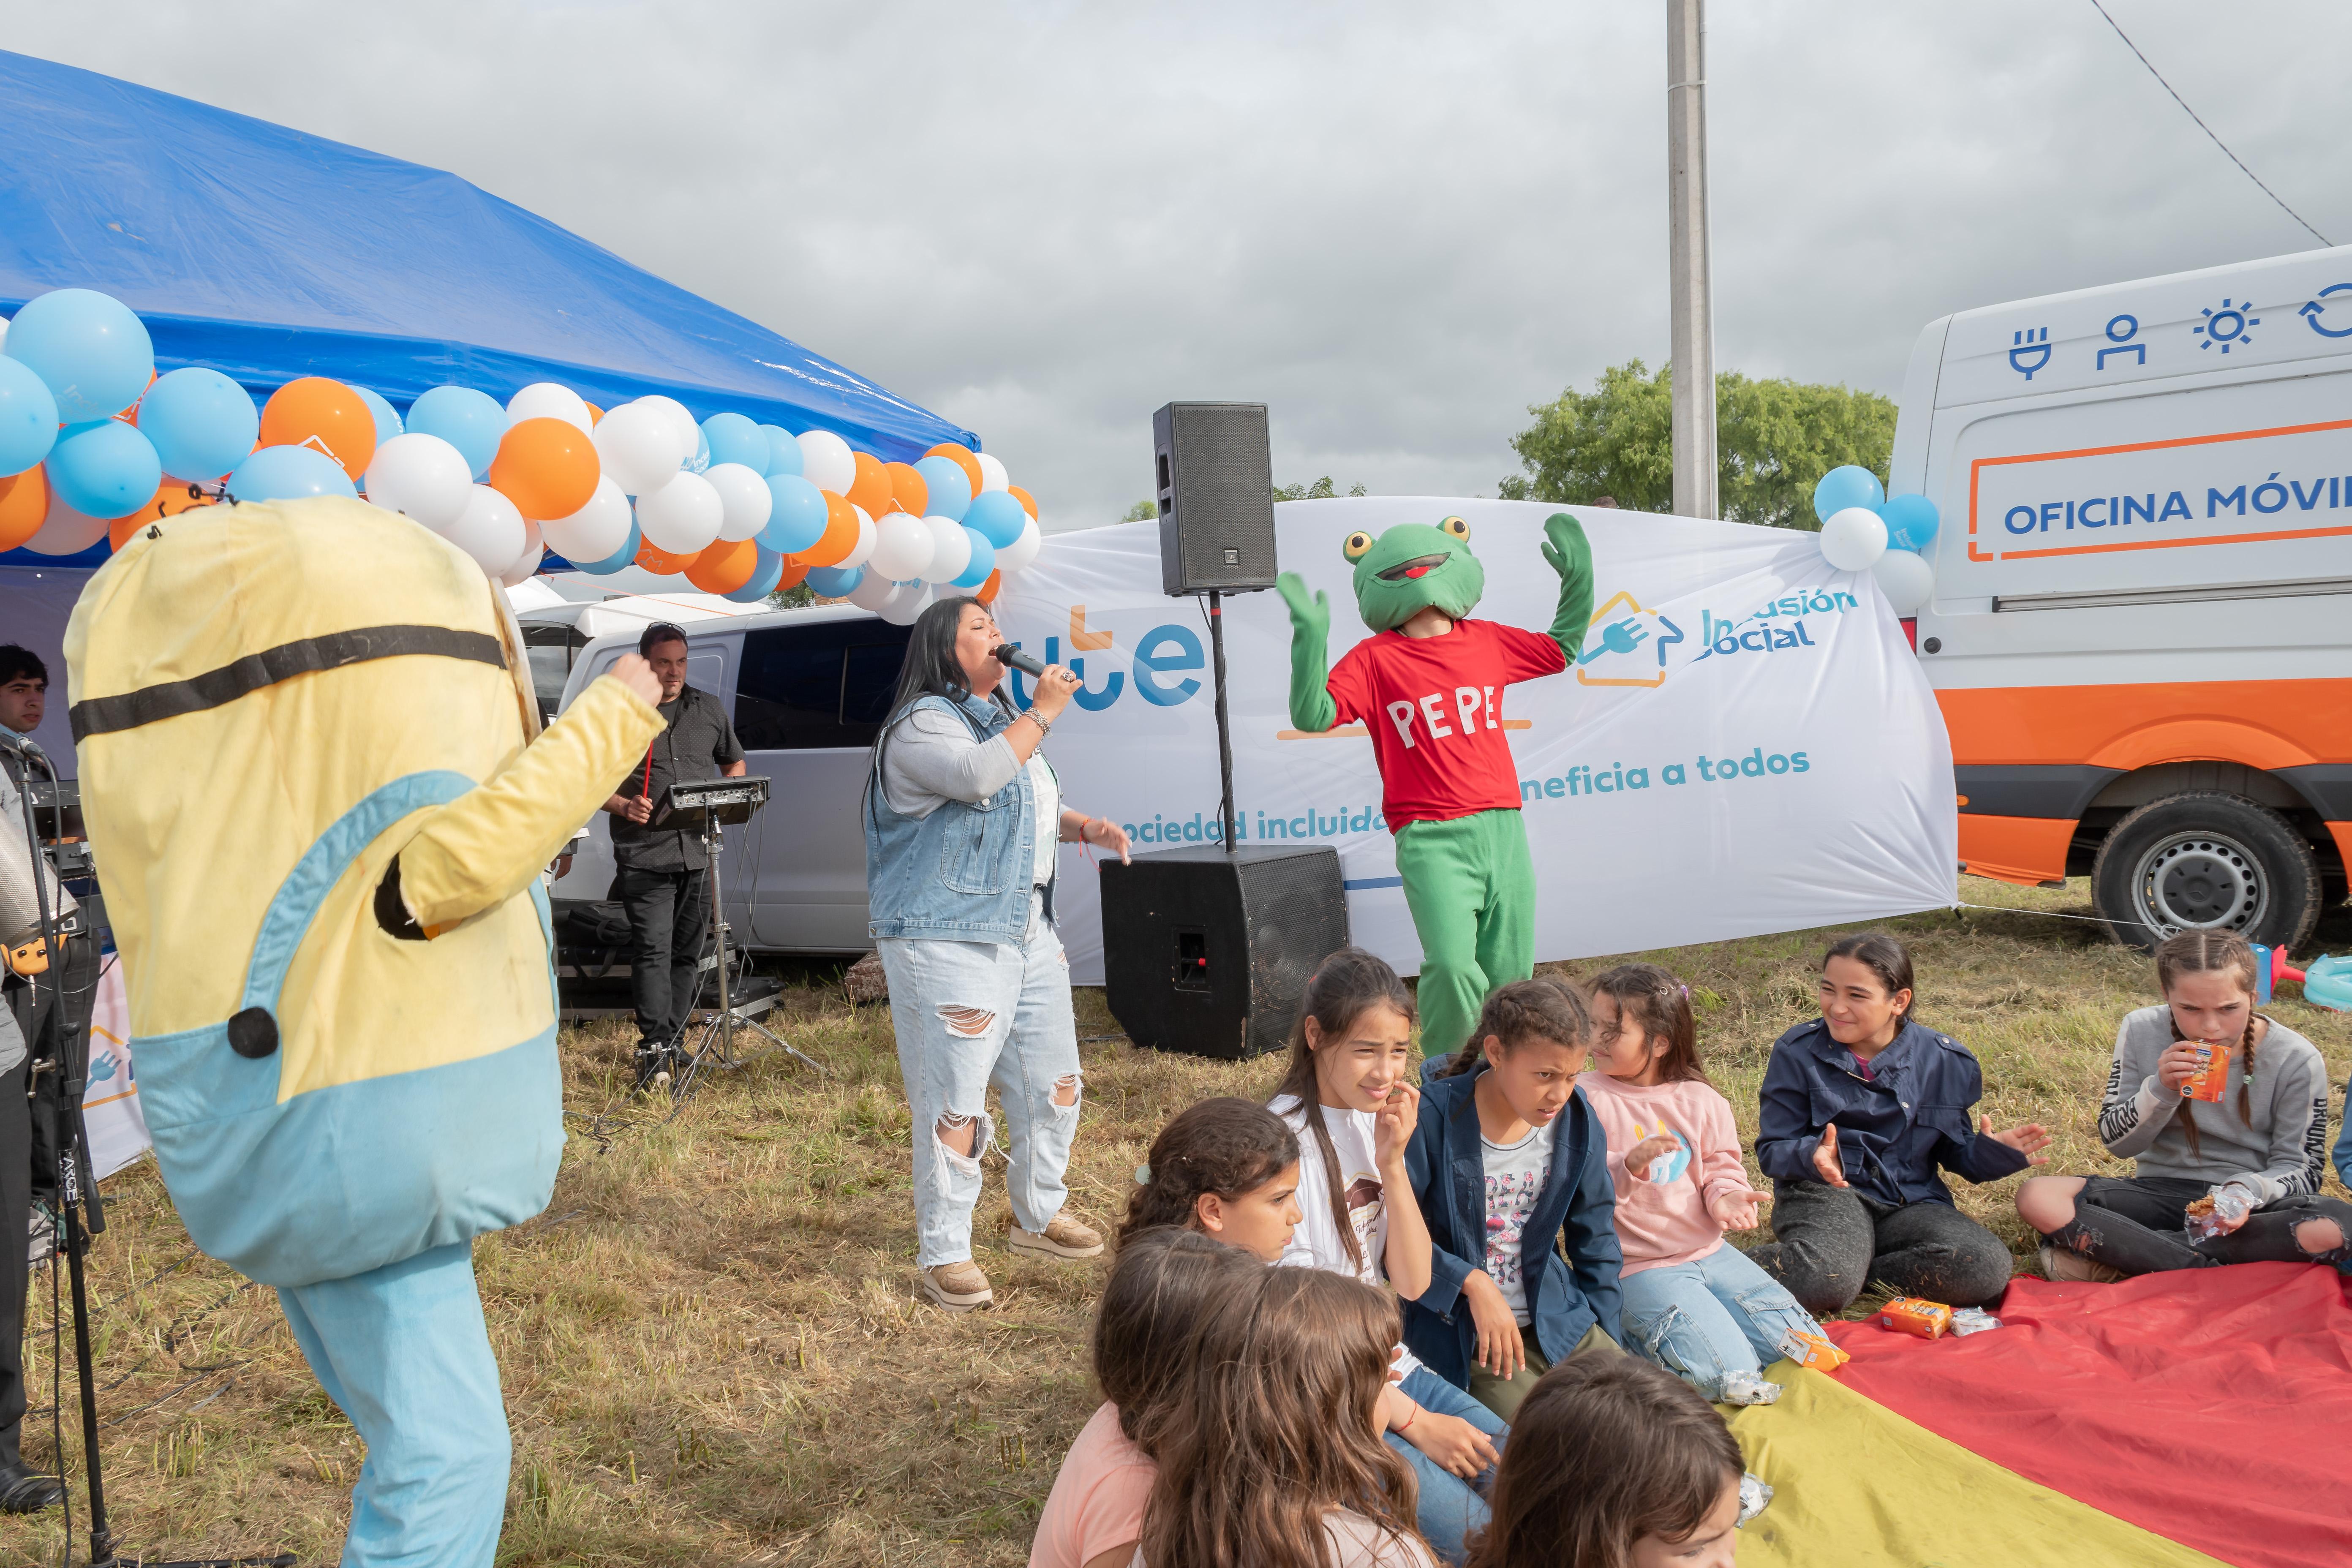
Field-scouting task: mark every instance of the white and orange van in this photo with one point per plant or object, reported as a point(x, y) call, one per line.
point(2141, 626)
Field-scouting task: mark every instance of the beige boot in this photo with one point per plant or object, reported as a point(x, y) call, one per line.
point(1062, 1237)
point(958, 1286)
point(2065, 1267)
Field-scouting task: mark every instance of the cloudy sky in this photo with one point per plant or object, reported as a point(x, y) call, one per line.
point(1398, 225)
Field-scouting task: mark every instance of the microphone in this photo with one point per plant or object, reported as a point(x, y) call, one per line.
point(1012, 658)
point(22, 745)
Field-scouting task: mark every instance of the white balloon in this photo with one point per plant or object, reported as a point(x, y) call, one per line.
point(827, 462)
point(951, 549)
point(1853, 540)
point(683, 517)
point(902, 547)
point(993, 476)
point(907, 601)
point(490, 530)
point(1905, 580)
point(422, 476)
point(871, 591)
point(64, 531)
point(1022, 551)
point(547, 400)
point(863, 551)
point(744, 499)
point(596, 529)
point(639, 447)
point(519, 570)
point(682, 425)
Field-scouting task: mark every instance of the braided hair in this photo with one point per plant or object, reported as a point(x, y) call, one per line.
point(2207, 950)
point(1227, 1146)
point(1544, 1008)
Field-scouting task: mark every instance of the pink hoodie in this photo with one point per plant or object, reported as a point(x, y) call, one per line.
point(1667, 1222)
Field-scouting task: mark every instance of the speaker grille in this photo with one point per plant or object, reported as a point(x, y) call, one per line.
point(1216, 496)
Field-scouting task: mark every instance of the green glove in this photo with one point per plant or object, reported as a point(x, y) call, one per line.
point(1311, 707)
point(1571, 557)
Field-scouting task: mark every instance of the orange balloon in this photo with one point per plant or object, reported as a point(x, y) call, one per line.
point(325, 416)
point(871, 488)
point(1027, 504)
point(793, 578)
point(990, 589)
point(548, 467)
point(906, 488)
point(172, 497)
point(962, 457)
point(724, 566)
point(661, 561)
point(23, 505)
point(840, 536)
point(596, 415)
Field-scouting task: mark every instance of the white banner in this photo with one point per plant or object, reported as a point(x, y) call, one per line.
point(1749, 744)
point(110, 1106)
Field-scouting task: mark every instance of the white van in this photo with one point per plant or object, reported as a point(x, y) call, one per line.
point(2141, 626)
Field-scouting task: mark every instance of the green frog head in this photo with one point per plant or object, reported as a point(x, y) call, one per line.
point(1414, 567)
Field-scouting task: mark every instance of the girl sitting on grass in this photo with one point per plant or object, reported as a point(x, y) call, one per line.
point(1693, 1305)
point(1863, 1110)
point(1272, 1456)
point(1349, 1096)
point(1502, 1305)
point(1163, 1283)
point(1613, 1464)
point(2248, 1167)
point(1226, 1167)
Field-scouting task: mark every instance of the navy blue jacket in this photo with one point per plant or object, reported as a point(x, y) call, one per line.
point(1894, 1130)
point(1576, 1204)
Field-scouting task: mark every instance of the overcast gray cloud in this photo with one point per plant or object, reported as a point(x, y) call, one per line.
point(1398, 225)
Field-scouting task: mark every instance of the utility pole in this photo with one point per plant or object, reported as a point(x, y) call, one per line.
point(1692, 298)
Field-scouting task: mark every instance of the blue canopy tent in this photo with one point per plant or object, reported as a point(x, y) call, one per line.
point(269, 255)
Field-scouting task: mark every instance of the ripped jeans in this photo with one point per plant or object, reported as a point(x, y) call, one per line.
point(969, 1015)
point(1708, 1319)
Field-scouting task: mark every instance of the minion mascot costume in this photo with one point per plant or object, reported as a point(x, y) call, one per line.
point(306, 736)
point(1432, 699)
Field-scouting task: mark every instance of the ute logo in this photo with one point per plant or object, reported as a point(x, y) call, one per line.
point(1627, 646)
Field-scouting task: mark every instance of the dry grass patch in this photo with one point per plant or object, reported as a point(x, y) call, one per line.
point(711, 1347)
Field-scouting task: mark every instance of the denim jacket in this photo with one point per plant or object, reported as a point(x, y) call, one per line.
point(1578, 1205)
point(1894, 1129)
point(962, 873)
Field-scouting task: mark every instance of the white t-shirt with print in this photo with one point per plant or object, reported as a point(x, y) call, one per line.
point(1514, 1179)
point(1318, 1243)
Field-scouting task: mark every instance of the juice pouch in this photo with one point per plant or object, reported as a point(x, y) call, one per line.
point(1910, 1315)
point(1816, 1350)
point(2211, 1078)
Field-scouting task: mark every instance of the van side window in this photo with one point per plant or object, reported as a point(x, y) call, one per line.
point(819, 687)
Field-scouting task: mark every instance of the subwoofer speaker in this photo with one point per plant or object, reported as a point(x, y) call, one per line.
point(1216, 497)
point(1208, 953)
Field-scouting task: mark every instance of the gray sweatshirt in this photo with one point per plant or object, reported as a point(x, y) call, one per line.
point(933, 759)
point(2280, 1152)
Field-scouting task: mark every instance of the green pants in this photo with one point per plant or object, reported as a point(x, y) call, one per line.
point(1470, 886)
point(1502, 1394)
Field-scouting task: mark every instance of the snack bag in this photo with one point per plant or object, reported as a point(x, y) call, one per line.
point(1815, 1351)
point(2211, 1078)
point(1910, 1315)
point(2214, 1213)
point(1972, 1320)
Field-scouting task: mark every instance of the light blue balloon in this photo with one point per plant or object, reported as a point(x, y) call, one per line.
point(104, 468)
point(289, 473)
point(1910, 523)
point(471, 421)
point(619, 558)
point(784, 449)
point(762, 581)
point(28, 418)
point(202, 423)
point(834, 582)
point(950, 487)
point(387, 419)
point(94, 355)
point(1844, 487)
point(984, 559)
point(798, 517)
point(735, 440)
point(997, 516)
point(700, 462)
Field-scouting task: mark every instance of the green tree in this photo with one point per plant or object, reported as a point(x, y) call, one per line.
point(791, 599)
point(1321, 490)
point(1142, 511)
point(1774, 440)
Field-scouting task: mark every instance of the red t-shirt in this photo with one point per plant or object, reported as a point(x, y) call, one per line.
point(1434, 708)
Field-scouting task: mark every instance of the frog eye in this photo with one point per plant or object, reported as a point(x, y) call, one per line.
point(1358, 543)
point(1456, 527)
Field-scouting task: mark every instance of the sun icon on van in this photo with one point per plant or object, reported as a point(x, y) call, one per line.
point(2226, 326)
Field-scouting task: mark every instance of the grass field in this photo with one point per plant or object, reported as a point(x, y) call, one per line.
point(711, 1347)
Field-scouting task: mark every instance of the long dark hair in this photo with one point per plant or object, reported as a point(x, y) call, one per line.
point(1343, 988)
point(1544, 1008)
point(2203, 951)
point(931, 670)
point(1605, 1449)
point(1162, 1285)
point(1883, 956)
point(1227, 1146)
point(1660, 1003)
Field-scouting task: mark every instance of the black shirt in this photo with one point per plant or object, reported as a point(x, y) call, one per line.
point(698, 743)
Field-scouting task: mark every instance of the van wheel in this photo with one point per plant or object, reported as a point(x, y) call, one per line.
point(2206, 860)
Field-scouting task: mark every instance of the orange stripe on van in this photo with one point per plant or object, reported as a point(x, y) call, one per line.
point(2027, 850)
point(2261, 724)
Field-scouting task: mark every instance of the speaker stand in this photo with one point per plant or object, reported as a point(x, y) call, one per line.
point(1224, 725)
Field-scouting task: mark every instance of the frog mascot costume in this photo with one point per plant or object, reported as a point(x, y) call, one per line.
point(306, 737)
point(1428, 684)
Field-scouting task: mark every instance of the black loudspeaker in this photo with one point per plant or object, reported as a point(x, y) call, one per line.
point(1208, 953)
point(1216, 497)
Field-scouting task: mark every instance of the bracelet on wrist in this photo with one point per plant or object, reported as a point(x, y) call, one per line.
point(1412, 1418)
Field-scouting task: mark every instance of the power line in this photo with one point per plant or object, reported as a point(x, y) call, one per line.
point(2159, 75)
